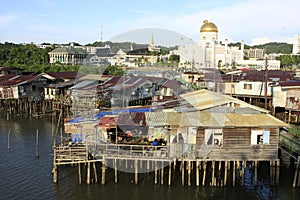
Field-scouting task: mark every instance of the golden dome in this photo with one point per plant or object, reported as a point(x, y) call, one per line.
point(208, 27)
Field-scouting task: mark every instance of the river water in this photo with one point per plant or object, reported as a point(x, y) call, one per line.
point(23, 176)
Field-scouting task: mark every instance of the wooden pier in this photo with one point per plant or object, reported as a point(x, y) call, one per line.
point(212, 172)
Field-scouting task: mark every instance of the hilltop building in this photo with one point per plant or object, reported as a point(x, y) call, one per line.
point(68, 55)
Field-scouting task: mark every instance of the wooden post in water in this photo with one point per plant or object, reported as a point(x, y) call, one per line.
point(296, 172)
point(243, 171)
point(204, 172)
point(116, 171)
point(155, 173)
point(79, 173)
point(277, 171)
point(189, 172)
point(225, 173)
point(8, 139)
point(170, 172)
point(182, 172)
point(136, 167)
point(88, 176)
point(213, 173)
point(197, 173)
point(37, 144)
point(95, 172)
point(162, 173)
point(103, 172)
point(54, 170)
point(255, 172)
point(233, 173)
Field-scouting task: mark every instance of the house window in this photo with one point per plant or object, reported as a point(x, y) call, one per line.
point(34, 88)
point(247, 86)
point(260, 137)
point(213, 137)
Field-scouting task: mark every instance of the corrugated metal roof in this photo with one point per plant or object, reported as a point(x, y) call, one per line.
point(207, 119)
point(204, 99)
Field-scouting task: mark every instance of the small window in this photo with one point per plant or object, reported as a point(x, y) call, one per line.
point(247, 86)
point(213, 137)
point(260, 137)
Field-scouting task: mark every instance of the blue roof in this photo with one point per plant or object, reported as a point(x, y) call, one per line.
point(113, 112)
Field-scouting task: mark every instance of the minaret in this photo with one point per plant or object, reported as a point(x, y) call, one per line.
point(152, 43)
point(226, 51)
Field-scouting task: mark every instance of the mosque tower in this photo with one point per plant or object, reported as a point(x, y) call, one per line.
point(208, 33)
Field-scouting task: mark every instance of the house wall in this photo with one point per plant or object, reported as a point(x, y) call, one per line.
point(9, 92)
point(293, 98)
point(236, 144)
point(279, 97)
point(250, 88)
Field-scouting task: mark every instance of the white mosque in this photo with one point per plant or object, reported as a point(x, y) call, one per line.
point(210, 53)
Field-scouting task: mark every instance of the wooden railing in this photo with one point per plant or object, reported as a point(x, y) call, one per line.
point(290, 142)
point(63, 154)
point(136, 151)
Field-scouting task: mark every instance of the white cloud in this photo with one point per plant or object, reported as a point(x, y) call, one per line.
point(7, 19)
point(261, 40)
point(246, 20)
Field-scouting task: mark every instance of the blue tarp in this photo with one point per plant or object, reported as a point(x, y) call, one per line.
point(113, 112)
point(76, 138)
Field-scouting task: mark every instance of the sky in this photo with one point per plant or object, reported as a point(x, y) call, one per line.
point(64, 21)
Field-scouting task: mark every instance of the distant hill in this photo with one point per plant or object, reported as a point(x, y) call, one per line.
point(273, 47)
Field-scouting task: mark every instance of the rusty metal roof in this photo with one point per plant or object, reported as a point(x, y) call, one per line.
point(208, 119)
point(204, 99)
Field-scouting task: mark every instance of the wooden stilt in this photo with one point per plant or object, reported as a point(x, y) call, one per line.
point(255, 172)
point(136, 167)
point(243, 171)
point(170, 172)
point(233, 173)
point(182, 172)
point(103, 171)
point(116, 171)
point(8, 139)
point(296, 173)
point(79, 174)
point(277, 171)
point(155, 173)
point(204, 172)
point(88, 176)
point(197, 172)
point(162, 173)
point(54, 171)
point(95, 172)
point(213, 173)
point(225, 172)
point(37, 144)
point(189, 172)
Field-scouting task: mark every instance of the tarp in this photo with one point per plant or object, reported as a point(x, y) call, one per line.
point(113, 112)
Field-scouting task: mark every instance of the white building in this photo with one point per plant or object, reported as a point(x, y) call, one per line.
point(296, 44)
point(210, 52)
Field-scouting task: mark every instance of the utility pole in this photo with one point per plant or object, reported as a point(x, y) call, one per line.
point(266, 82)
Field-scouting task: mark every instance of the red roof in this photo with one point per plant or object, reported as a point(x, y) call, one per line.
point(65, 75)
point(11, 80)
point(278, 75)
point(289, 83)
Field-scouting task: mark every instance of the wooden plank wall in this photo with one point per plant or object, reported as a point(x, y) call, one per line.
point(237, 145)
